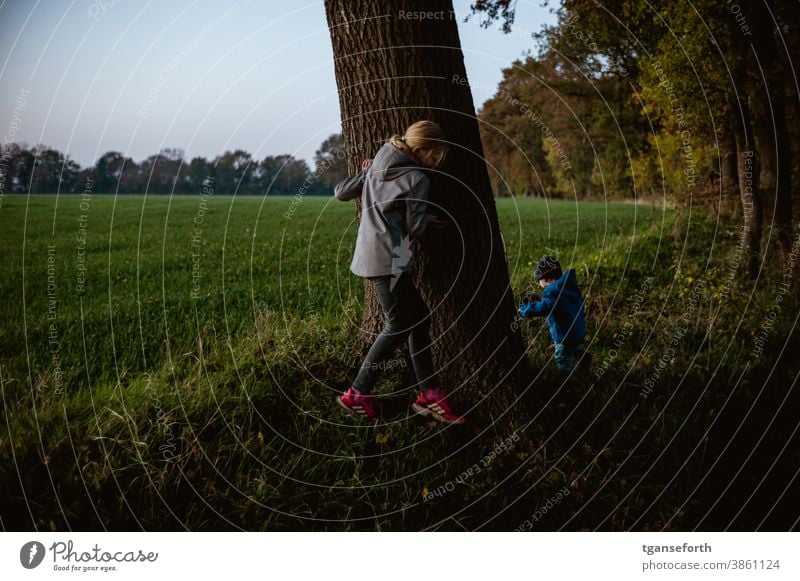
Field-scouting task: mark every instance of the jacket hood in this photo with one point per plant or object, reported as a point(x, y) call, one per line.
point(566, 284)
point(568, 280)
point(390, 163)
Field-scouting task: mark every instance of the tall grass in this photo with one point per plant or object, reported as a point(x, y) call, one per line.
point(215, 411)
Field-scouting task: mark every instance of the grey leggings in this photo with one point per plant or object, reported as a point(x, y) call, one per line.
point(405, 317)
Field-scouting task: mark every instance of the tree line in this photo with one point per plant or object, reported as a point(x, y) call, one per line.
point(695, 103)
point(42, 169)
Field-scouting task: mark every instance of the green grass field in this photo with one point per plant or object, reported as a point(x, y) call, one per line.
point(151, 280)
point(171, 363)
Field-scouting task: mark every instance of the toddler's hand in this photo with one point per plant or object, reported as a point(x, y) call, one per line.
point(366, 163)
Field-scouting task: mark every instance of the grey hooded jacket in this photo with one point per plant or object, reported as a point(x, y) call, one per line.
point(394, 199)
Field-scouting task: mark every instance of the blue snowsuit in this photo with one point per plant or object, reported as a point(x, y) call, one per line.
point(562, 304)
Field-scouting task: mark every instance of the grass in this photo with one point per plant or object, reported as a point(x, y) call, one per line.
point(189, 382)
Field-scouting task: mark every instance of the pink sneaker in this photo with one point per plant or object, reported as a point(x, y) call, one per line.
point(432, 402)
point(362, 405)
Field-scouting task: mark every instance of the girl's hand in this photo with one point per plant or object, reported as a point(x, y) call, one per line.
point(366, 163)
point(436, 221)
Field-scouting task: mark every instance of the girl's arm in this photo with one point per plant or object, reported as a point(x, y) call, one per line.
point(350, 188)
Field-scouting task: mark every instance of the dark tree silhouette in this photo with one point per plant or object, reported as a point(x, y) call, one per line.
point(330, 161)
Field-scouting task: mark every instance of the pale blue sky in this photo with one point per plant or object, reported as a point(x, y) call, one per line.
point(198, 75)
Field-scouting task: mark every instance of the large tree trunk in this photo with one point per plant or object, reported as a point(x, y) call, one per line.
point(752, 206)
point(392, 70)
point(772, 138)
point(730, 201)
point(746, 160)
point(774, 180)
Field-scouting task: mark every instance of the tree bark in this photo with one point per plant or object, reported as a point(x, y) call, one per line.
point(752, 207)
point(771, 134)
point(730, 200)
point(392, 70)
point(746, 160)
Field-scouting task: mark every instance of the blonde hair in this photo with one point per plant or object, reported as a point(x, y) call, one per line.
point(425, 135)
